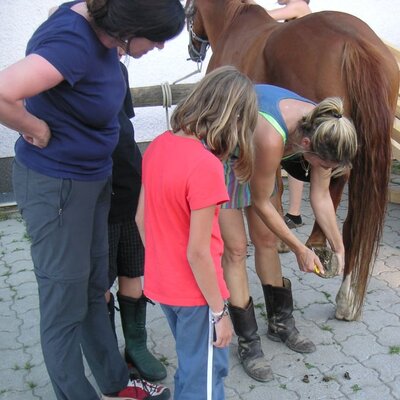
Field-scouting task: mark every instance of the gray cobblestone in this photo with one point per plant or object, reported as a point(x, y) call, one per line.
point(367, 350)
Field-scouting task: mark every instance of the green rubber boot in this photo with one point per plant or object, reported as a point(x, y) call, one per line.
point(111, 314)
point(133, 318)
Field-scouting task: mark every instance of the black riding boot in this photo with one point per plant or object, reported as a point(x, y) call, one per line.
point(249, 350)
point(133, 318)
point(111, 313)
point(281, 323)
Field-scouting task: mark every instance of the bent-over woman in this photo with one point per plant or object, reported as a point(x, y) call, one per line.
point(322, 142)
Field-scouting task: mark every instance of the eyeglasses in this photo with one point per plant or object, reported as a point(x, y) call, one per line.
point(126, 45)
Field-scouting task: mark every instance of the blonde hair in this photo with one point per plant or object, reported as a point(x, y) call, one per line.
point(222, 110)
point(333, 136)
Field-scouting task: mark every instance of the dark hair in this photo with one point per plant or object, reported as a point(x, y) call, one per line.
point(155, 20)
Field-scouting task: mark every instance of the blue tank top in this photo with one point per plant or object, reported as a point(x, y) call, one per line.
point(269, 97)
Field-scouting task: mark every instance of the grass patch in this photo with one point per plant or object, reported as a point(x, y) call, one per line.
point(396, 167)
point(394, 350)
point(355, 388)
point(309, 366)
point(327, 295)
point(327, 328)
point(28, 366)
point(31, 385)
point(164, 360)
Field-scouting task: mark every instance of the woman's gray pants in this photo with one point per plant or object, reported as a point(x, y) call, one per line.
point(67, 224)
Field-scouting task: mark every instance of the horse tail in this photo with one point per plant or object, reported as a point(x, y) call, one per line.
point(371, 104)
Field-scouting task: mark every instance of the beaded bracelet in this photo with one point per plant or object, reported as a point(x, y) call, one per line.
point(216, 317)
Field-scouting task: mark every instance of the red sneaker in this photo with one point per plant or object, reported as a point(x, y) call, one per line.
point(139, 389)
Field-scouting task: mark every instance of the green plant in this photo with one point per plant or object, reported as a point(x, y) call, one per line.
point(4, 216)
point(355, 388)
point(164, 360)
point(396, 167)
point(394, 350)
point(28, 366)
point(264, 314)
point(327, 295)
point(31, 384)
point(327, 328)
point(26, 237)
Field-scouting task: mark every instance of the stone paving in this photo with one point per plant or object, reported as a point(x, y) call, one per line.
point(354, 360)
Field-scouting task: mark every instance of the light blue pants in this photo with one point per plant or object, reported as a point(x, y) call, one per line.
point(67, 223)
point(190, 327)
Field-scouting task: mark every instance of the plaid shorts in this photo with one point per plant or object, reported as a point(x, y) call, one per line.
point(126, 250)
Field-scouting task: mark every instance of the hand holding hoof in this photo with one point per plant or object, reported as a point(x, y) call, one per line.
point(329, 261)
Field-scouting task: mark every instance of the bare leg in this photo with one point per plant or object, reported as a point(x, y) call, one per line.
point(241, 306)
point(131, 287)
point(267, 262)
point(277, 290)
point(234, 258)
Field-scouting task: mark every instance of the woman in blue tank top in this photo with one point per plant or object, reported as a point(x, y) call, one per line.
point(64, 98)
point(321, 140)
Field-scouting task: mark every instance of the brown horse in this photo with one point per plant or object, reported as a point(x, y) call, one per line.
point(320, 55)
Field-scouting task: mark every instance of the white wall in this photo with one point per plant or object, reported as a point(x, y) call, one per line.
point(19, 18)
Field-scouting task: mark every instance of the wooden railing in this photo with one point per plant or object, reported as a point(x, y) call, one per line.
point(394, 190)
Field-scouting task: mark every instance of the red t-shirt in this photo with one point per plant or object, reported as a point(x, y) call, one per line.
point(179, 175)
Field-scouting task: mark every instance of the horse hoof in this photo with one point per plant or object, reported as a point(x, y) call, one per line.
point(282, 247)
point(329, 261)
point(346, 314)
point(345, 307)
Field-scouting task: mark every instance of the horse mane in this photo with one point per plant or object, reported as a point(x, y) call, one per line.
point(235, 8)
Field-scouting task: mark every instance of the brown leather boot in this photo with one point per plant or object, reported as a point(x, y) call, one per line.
point(249, 350)
point(281, 323)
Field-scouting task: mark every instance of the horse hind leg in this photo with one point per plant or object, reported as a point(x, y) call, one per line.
point(317, 239)
point(345, 307)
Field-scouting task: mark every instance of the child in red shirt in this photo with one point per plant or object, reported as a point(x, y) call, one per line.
point(183, 187)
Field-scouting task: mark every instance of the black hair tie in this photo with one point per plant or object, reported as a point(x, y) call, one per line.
point(337, 115)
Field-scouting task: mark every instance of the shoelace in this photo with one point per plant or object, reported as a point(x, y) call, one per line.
point(148, 387)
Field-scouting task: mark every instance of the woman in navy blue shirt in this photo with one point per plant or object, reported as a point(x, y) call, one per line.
point(64, 98)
